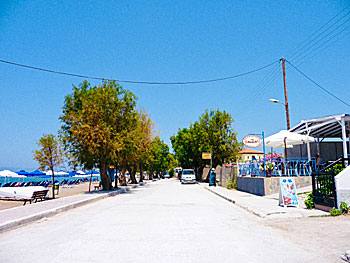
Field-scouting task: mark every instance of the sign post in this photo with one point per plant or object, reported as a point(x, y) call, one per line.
point(253, 141)
point(207, 156)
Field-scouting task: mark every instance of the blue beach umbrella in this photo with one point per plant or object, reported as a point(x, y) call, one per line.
point(23, 172)
point(37, 173)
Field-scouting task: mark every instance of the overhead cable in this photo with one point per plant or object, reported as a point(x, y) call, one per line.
point(307, 41)
point(139, 82)
point(318, 85)
point(298, 57)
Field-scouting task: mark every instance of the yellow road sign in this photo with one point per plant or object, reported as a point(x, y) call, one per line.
point(206, 156)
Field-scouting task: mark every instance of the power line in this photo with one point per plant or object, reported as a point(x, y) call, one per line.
point(298, 57)
point(139, 82)
point(259, 89)
point(302, 46)
point(328, 41)
point(336, 40)
point(318, 85)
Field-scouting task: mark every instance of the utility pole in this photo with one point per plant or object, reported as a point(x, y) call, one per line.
point(285, 92)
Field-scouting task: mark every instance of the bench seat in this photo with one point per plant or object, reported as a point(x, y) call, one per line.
point(37, 195)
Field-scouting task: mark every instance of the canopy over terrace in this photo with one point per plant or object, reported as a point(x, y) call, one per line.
point(336, 126)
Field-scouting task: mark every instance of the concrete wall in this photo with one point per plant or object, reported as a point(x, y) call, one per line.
point(267, 186)
point(253, 185)
point(342, 184)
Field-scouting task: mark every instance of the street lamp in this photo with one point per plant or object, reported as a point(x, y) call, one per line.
point(288, 125)
point(287, 111)
point(276, 101)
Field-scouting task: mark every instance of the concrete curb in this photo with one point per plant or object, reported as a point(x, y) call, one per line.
point(16, 223)
point(263, 215)
point(293, 212)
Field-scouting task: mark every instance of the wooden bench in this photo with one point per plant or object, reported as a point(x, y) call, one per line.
point(36, 196)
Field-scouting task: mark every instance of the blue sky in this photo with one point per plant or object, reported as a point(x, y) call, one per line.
point(168, 41)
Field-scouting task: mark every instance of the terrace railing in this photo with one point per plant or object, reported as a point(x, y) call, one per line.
point(278, 167)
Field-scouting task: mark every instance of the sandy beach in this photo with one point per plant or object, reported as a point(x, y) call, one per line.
point(63, 192)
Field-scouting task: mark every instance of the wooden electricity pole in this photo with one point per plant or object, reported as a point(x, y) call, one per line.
point(285, 92)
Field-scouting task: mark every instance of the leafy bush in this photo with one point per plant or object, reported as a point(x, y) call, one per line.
point(309, 202)
point(232, 184)
point(336, 168)
point(344, 207)
point(335, 212)
point(229, 184)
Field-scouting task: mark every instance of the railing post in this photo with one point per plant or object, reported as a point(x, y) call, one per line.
point(334, 191)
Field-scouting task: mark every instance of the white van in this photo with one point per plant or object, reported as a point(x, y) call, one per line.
point(188, 176)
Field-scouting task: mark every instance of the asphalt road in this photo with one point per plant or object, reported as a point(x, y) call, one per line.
point(162, 222)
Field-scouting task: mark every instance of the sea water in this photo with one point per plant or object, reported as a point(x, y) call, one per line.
point(58, 178)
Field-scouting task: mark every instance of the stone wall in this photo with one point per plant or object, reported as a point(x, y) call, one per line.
point(268, 185)
point(224, 175)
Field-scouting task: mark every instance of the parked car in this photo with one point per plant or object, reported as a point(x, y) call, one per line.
point(166, 175)
point(188, 176)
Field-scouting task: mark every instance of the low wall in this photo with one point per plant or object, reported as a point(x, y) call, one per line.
point(268, 185)
point(342, 184)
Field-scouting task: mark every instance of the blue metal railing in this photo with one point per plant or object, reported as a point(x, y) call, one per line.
point(278, 167)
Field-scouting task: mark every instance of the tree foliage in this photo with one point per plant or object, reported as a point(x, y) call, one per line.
point(160, 159)
point(95, 121)
point(213, 132)
point(101, 127)
point(49, 155)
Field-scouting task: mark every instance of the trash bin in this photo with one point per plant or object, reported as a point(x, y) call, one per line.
point(212, 178)
point(56, 188)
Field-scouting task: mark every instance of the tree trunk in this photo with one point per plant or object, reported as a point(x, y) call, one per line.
point(105, 179)
point(90, 180)
point(199, 173)
point(122, 178)
point(141, 173)
point(116, 177)
point(53, 184)
point(132, 172)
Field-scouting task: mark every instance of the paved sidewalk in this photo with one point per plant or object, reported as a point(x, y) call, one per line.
point(19, 216)
point(266, 206)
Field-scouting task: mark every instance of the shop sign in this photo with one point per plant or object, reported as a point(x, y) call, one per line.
point(252, 141)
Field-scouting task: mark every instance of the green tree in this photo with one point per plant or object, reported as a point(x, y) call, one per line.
point(213, 132)
point(95, 122)
point(218, 136)
point(145, 131)
point(159, 157)
point(49, 155)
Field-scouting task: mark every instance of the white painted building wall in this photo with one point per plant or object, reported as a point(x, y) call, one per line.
point(342, 184)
